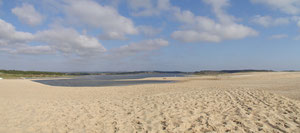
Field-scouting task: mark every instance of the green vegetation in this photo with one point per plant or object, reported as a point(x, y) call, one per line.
point(14, 74)
point(208, 72)
point(126, 73)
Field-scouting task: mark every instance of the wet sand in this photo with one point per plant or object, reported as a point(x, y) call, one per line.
point(248, 102)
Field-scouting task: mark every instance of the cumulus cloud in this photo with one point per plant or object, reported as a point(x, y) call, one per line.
point(59, 39)
point(200, 28)
point(69, 41)
point(286, 6)
point(143, 46)
point(27, 14)
point(195, 36)
point(290, 7)
point(16, 42)
point(9, 35)
point(296, 19)
point(27, 49)
point(149, 30)
point(278, 36)
point(148, 7)
point(268, 21)
point(112, 36)
point(114, 25)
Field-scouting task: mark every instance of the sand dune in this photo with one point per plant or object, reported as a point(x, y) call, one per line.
point(252, 102)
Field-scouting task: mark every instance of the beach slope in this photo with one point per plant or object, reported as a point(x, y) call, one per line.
point(249, 102)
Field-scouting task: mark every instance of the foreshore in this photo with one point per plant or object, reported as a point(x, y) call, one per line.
point(244, 102)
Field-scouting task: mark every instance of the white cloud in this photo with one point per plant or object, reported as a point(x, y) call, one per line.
point(143, 46)
point(27, 49)
point(95, 15)
point(268, 21)
point(9, 35)
point(291, 7)
point(195, 36)
point(148, 7)
point(199, 28)
point(218, 8)
point(286, 6)
point(27, 14)
point(296, 19)
point(69, 41)
point(149, 30)
point(16, 42)
point(65, 40)
point(112, 36)
point(278, 36)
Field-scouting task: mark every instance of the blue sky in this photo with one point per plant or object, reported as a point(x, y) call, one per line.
point(134, 35)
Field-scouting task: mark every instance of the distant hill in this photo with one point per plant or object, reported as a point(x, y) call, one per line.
point(209, 72)
point(13, 74)
point(29, 74)
point(126, 73)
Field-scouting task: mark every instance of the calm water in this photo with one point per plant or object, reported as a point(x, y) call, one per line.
point(107, 80)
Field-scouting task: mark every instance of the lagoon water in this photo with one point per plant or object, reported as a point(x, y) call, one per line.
point(107, 80)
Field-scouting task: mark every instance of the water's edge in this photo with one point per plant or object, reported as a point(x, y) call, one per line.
point(107, 80)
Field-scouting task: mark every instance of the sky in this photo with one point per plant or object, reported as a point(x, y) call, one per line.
point(140, 35)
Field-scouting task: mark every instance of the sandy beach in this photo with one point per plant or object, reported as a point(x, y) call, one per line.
point(245, 102)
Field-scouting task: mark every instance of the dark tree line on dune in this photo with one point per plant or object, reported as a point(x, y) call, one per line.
point(229, 71)
point(30, 72)
point(124, 73)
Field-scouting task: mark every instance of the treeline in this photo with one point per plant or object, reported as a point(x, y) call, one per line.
point(146, 72)
point(212, 72)
point(205, 72)
point(18, 72)
point(30, 72)
point(126, 73)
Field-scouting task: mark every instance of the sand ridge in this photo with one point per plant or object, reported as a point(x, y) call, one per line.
point(199, 104)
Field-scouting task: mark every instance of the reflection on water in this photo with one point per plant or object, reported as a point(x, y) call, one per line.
point(107, 80)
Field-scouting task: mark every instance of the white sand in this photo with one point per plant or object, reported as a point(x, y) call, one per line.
point(251, 102)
